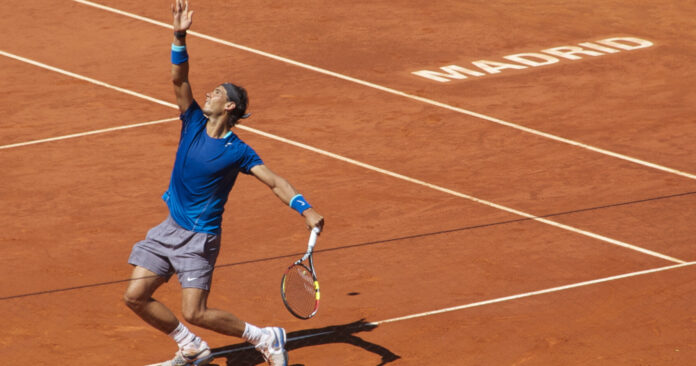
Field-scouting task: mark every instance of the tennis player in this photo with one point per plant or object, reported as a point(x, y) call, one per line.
point(208, 160)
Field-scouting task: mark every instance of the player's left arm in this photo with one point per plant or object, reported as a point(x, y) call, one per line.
point(182, 20)
point(286, 192)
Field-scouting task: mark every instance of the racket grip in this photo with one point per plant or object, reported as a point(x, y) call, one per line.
point(313, 237)
point(312, 242)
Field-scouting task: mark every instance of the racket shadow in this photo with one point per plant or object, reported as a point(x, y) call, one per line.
point(244, 354)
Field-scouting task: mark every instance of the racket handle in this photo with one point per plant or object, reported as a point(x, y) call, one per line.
point(312, 241)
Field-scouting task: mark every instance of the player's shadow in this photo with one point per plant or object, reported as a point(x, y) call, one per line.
point(244, 354)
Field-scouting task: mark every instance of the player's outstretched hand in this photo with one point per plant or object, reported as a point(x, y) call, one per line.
point(313, 219)
point(183, 17)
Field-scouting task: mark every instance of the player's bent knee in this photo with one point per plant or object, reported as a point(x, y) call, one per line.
point(194, 316)
point(133, 301)
point(193, 306)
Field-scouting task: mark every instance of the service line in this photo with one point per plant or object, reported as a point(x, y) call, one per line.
point(364, 165)
point(402, 94)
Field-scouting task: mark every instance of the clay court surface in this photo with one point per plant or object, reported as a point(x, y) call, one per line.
point(533, 216)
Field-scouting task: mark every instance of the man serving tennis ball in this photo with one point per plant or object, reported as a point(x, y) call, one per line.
point(208, 159)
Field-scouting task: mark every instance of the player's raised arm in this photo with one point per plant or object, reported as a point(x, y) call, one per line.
point(182, 19)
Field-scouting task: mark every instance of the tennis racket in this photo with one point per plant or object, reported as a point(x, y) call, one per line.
point(299, 287)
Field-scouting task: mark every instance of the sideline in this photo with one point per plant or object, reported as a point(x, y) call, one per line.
point(80, 134)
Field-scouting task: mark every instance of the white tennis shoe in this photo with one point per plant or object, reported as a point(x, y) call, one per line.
point(192, 355)
point(273, 346)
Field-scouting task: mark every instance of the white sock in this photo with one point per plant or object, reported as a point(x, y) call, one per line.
point(253, 334)
point(183, 336)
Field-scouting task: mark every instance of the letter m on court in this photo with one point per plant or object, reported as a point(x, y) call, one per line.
point(448, 72)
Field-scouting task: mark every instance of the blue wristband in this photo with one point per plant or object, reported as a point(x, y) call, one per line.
point(299, 204)
point(179, 54)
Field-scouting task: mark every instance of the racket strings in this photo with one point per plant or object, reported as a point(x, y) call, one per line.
point(299, 291)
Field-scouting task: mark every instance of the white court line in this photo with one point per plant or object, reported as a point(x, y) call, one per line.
point(371, 167)
point(486, 302)
point(403, 94)
point(534, 293)
point(80, 77)
point(65, 137)
point(468, 197)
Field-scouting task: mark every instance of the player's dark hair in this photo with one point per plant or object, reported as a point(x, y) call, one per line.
point(238, 95)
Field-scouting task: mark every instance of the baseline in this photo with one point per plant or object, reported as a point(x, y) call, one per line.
point(534, 293)
point(403, 94)
point(221, 353)
point(371, 167)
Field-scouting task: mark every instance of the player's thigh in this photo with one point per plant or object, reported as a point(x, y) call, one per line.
point(193, 303)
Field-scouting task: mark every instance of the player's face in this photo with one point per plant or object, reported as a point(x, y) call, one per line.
point(215, 102)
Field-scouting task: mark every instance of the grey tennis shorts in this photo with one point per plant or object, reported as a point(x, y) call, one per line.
point(168, 248)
